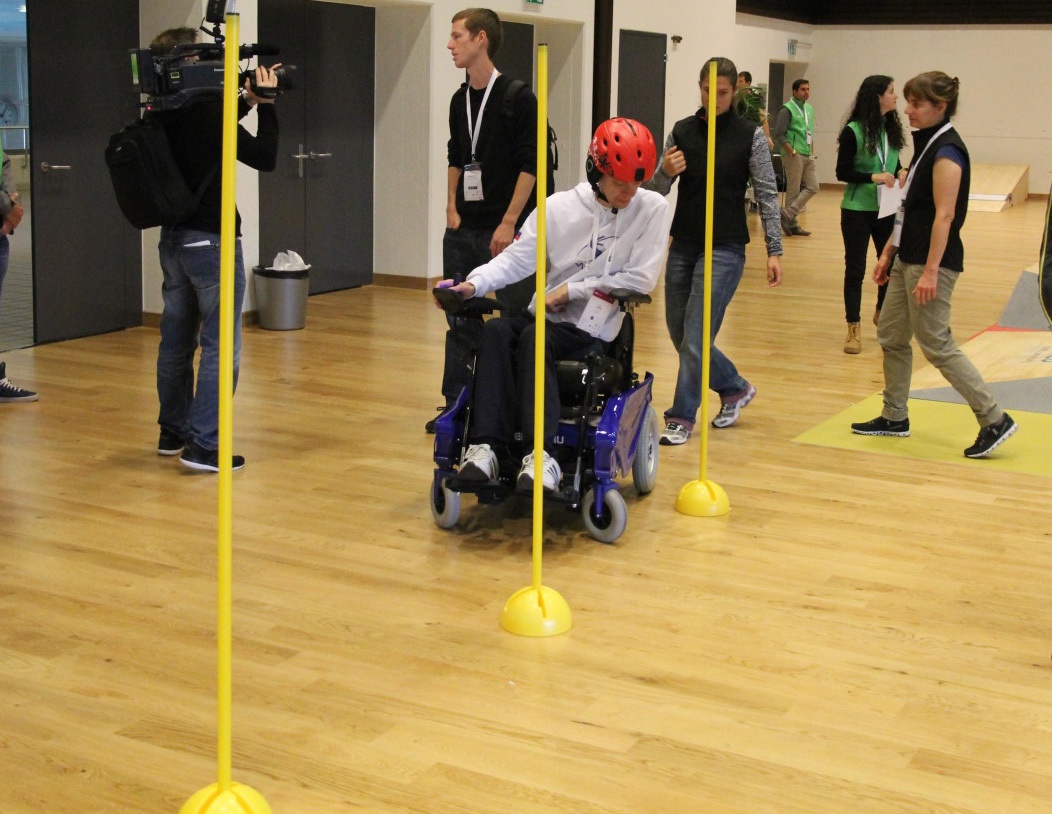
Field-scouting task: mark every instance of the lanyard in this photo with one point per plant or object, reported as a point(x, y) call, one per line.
point(803, 112)
point(608, 255)
point(915, 164)
point(883, 154)
point(474, 128)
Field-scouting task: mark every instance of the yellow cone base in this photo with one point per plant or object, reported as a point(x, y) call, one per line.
point(238, 799)
point(536, 612)
point(702, 498)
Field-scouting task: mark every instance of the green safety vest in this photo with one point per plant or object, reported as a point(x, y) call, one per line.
point(863, 197)
point(803, 122)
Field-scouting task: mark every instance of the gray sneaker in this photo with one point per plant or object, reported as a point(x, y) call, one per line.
point(732, 406)
point(674, 434)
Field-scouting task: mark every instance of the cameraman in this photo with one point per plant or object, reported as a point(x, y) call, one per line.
point(189, 254)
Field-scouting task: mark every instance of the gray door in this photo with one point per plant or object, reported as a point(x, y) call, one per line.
point(319, 200)
point(515, 58)
point(776, 94)
point(87, 260)
point(641, 81)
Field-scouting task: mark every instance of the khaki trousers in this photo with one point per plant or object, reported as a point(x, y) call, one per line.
point(901, 319)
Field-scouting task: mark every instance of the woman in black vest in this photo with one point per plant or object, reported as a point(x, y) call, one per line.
point(741, 154)
point(928, 258)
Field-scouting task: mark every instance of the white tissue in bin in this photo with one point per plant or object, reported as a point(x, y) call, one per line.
point(288, 261)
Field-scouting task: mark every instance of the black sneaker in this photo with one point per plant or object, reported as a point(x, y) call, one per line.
point(196, 456)
point(429, 427)
point(170, 443)
point(10, 393)
point(882, 426)
point(990, 438)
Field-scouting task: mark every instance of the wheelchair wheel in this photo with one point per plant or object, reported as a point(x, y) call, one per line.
point(612, 519)
point(645, 463)
point(445, 505)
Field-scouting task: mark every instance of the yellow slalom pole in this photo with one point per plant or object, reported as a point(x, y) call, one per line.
point(702, 497)
point(225, 796)
point(536, 610)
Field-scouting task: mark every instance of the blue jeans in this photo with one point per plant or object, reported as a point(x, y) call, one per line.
point(685, 317)
point(5, 253)
point(191, 314)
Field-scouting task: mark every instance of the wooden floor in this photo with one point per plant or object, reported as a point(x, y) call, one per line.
point(861, 633)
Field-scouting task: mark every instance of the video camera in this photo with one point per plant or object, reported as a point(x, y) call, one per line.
point(192, 70)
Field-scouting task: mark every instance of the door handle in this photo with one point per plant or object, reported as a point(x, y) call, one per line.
point(300, 158)
point(314, 155)
point(45, 167)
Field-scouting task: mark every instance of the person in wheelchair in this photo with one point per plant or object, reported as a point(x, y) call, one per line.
point(604, 234)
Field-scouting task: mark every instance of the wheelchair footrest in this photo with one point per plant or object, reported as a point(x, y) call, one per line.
point(491, 493)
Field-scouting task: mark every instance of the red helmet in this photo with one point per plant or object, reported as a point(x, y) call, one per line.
point(624, 149)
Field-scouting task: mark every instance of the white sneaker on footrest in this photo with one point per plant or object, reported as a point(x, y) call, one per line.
point(551, 474)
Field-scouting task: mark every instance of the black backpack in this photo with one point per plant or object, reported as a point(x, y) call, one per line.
point(511, 93)
point(150, 187)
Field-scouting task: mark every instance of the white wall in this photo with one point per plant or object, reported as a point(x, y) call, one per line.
point(1003, 115)
point(404, 43)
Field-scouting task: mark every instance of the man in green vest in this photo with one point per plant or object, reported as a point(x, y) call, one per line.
point(794, 131)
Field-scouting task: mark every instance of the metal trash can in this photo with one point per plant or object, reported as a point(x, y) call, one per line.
point(281, 298)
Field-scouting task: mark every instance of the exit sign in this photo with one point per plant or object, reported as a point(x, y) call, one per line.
point(539, 2)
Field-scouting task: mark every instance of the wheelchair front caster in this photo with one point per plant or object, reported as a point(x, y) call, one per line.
point(645, 463)
point(612, 519)
point(445, 505)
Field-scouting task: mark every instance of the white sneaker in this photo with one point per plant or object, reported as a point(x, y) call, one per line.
point(479, 464)
point(551, 476)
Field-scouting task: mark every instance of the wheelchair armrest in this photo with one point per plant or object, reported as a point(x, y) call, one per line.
point(453, 302)
point(627, 296)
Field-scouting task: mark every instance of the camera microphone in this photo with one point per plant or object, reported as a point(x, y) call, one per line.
point(259, 50)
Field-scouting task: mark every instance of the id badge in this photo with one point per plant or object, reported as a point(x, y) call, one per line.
point(473, 182)
point(896, 233)
point(810, 139)
point(601, 307)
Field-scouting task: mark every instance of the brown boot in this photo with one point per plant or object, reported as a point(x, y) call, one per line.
point(853, 343)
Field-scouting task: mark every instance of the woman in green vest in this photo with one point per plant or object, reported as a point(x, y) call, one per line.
point(867, 159)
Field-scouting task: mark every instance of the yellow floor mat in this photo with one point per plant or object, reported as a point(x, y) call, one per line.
point(940, 431)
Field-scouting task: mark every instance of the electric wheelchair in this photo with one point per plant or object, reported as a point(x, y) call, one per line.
point(607, 428)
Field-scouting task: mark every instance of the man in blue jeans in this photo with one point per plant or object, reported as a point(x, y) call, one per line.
point(189, 253)
point(10, 393)
point(741, 154)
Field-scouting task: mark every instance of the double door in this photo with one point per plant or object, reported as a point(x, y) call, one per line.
point(319, 200)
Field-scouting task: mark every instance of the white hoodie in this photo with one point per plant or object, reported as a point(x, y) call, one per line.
point(632, 247)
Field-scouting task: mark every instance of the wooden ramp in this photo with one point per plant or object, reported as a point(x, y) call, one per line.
point(995, 187)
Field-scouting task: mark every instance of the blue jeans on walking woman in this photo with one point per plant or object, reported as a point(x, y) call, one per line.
point(190, 263)
point(685, 316)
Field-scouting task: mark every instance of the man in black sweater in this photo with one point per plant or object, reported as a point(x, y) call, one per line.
point(491, 180)
point(189, 254)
